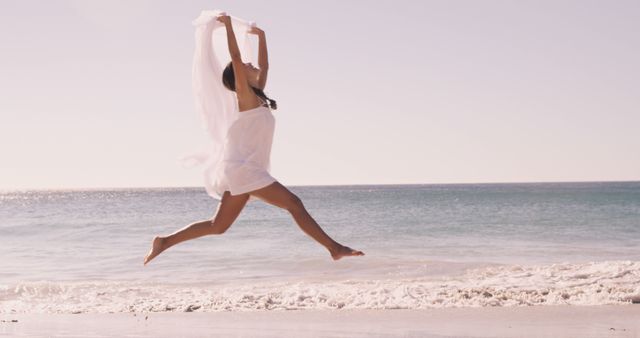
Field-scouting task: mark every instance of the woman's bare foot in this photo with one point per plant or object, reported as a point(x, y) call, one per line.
point(343, 251)
point(156, 248)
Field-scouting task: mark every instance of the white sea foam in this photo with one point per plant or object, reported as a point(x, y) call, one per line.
point(595, 283)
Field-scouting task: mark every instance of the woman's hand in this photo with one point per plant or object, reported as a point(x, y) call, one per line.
point(225, 19)
point(256, 31)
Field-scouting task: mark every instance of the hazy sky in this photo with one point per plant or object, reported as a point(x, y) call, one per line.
point(98, 93)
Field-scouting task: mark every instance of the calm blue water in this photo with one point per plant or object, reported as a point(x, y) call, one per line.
point(406, 231)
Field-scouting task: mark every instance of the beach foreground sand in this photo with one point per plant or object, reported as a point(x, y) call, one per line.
point(536, 321)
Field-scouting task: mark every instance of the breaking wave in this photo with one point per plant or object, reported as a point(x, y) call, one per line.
point(594, 283)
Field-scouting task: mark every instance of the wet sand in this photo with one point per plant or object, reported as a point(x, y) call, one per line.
point(534, 321)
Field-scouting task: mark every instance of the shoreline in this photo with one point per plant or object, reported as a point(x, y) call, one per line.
point(530, 321)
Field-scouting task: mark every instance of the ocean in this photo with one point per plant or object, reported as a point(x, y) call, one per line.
point(426, 246)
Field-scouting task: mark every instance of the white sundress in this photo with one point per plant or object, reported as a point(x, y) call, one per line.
point(246, 156)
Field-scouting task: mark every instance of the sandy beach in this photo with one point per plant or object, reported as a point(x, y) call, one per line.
point(533, 321)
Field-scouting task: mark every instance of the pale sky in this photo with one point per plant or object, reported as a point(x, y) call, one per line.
point(98, 93)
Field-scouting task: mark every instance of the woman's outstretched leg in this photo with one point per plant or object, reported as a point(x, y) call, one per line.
point(228, 210)
point(280, 196)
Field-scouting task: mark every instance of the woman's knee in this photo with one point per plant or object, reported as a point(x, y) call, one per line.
point(228, 210)
point(218, 227)
point(278, 195)
point(294, 204)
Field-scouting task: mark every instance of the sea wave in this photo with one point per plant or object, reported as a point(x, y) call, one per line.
point(594, 283)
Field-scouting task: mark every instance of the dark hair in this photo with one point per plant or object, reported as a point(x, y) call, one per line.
point(229, 81)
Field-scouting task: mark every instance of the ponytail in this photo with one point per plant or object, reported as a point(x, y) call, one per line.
point(229, 81)
point(260, 93)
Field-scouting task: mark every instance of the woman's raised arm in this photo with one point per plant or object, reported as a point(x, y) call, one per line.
point(263, 58)
point(242, 85)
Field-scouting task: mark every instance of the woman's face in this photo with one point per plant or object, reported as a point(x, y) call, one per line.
point(252, 74)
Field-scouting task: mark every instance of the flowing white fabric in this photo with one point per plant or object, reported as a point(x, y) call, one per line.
point(218, 108)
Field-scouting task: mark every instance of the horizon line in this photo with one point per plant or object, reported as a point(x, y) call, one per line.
point(315, 185)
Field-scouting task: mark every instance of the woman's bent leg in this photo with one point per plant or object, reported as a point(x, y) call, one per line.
point(228, 210)
point(278, 195)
